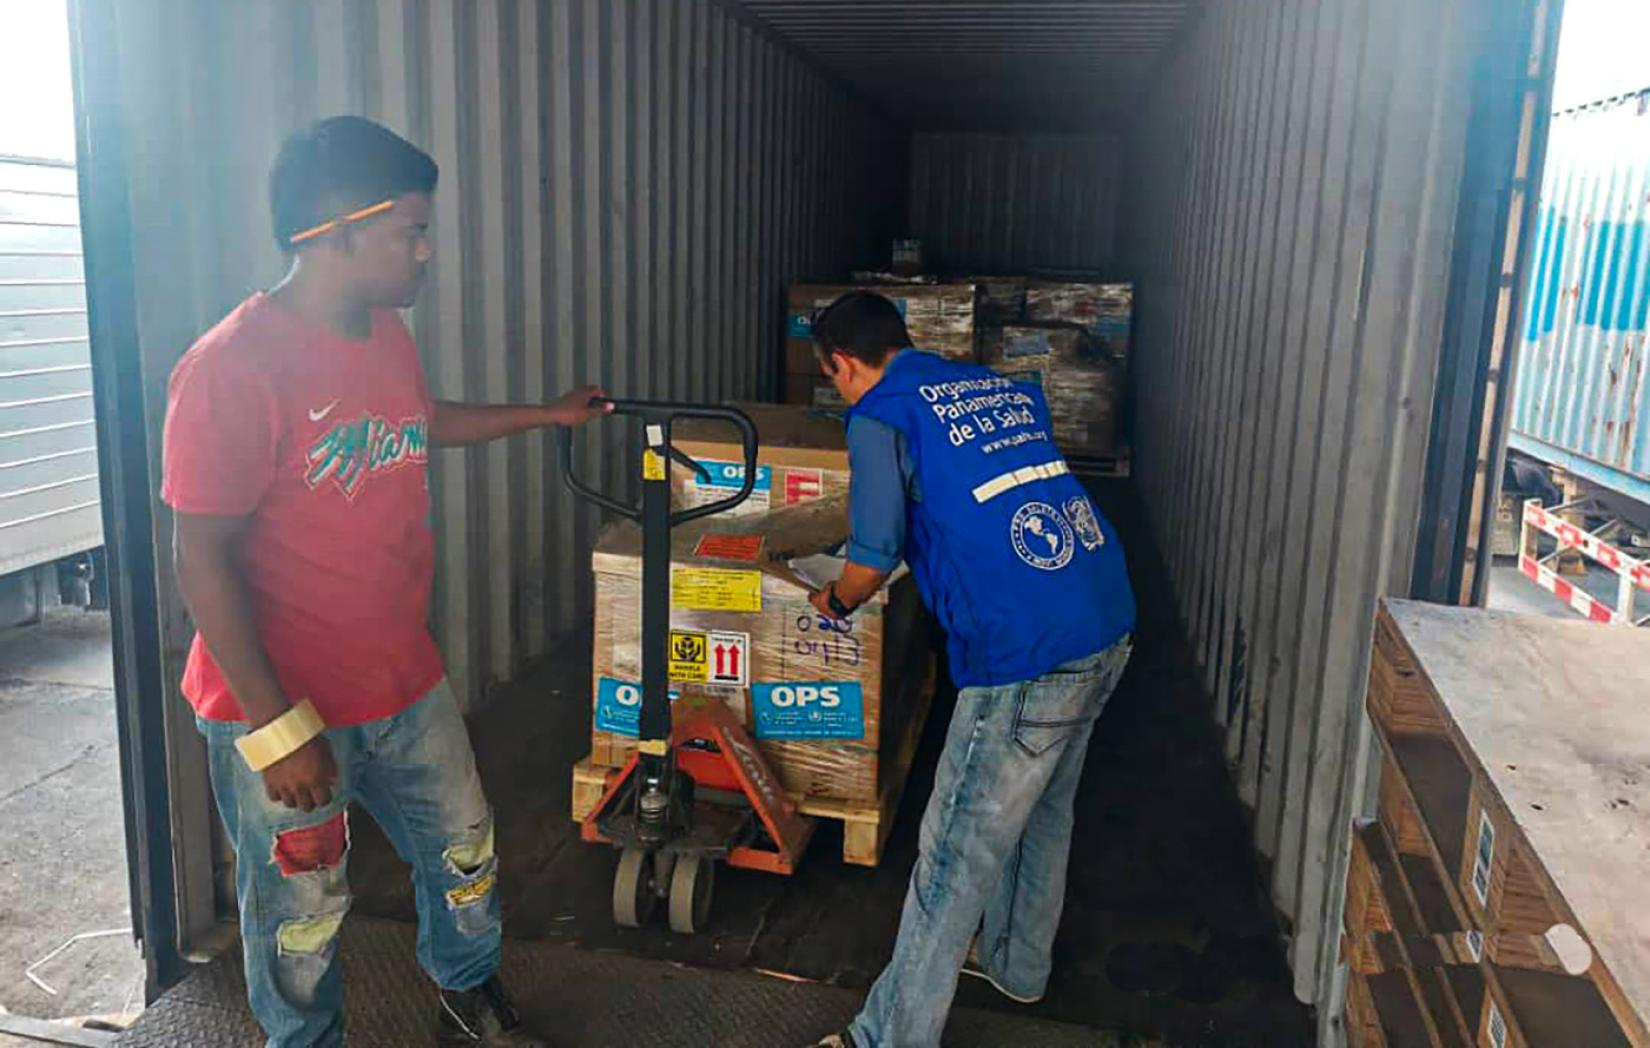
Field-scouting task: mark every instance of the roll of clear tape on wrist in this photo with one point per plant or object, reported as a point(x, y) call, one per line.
point(281, 736)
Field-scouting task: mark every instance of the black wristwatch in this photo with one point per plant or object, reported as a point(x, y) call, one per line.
point(834, 602)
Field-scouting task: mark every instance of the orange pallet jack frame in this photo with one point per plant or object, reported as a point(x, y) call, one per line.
point(714, 750)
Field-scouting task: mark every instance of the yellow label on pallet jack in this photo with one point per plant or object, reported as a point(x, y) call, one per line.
point(715, 589)
point(653, 465)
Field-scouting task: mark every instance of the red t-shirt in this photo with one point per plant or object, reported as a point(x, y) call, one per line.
point(322, 442)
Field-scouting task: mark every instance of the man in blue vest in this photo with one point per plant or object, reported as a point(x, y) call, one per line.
point(956, 473)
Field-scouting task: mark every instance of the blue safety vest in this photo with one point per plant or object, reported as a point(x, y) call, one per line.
point(1011, 556)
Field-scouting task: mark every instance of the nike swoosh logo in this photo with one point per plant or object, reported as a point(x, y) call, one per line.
point(317, 414)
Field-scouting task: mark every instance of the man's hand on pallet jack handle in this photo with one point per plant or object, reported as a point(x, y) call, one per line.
point(456, 425)
point(844, 596)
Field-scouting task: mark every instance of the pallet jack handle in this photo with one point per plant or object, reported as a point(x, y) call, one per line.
point(657, 416)
point(656, 763)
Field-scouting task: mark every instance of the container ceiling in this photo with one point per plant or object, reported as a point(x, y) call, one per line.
point(985, 64)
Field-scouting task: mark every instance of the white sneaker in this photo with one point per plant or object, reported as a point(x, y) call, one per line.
point(972, 966)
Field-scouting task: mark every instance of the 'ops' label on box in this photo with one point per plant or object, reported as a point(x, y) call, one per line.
point(726, 478)
point(809, 710)
point(619, 706)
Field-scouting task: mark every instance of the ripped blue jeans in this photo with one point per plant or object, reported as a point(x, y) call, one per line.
point(415, 774)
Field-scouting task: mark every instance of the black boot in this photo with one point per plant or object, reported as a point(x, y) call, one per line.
point(484, 1016)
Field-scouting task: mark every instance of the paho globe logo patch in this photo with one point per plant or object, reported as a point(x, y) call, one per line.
point(1080, 511)
point(1042, 538)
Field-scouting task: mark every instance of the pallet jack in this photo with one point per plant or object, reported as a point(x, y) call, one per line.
point(697, 790)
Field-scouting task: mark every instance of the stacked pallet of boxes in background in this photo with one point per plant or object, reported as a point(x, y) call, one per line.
point(940, 318)
point(836, 708)
point(1074, 342)
point(1084, 391)
point(1071, 339)
point(1496, 900)
point(1001, 300)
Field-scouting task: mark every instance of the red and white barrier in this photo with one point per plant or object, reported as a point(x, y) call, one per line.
point(1632, 574)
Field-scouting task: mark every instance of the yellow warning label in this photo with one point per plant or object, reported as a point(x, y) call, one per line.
point(475, 891)
point(689, 657)
point(715, 589)
point(653, 467)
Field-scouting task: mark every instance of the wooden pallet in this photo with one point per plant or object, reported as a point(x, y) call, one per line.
point(1498, 886)
point(1114, 467)
point(865, 827)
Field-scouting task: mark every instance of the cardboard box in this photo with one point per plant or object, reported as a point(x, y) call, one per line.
point(827, 703)
point(869, 276)
point(799, 388)
point(828, 400)
point(1083, 386)
point(801, 457)
point(800, 359)
point(1002, 300)
point(940, 318)
point(1104, 310)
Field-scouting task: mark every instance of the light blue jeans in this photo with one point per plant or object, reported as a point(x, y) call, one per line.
point(415, 775)
point(992, 856)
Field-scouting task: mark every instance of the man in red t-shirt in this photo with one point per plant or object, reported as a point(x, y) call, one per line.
point(298, 431)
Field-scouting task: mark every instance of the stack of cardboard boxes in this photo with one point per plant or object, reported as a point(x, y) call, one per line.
point(827, 702)
point(1083, 387)
point(1074, 343)
point(1070, 338)
point(940, 317)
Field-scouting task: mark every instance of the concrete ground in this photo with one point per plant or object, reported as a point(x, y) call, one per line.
point(1511, 590)
point(62, 841)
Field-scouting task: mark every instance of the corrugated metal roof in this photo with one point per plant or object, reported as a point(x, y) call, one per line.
point(982, 64)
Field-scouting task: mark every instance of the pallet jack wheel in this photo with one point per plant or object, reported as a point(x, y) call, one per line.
point(691, 884)
point(633, 888)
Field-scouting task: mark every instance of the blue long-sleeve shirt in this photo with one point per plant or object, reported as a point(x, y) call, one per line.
point(882, 481)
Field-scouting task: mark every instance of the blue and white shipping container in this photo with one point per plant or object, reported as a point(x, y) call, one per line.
point(1581, 400)
point(49, 502)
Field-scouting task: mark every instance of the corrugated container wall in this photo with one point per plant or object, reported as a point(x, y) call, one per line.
point(627, 187)
point(48, 449)
point(1581, 400)
point(1290, 221)
point(1006, 203)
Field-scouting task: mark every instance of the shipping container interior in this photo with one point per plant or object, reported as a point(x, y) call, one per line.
point(1313, 201)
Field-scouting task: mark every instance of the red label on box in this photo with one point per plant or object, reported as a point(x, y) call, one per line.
point(803, 485)
point(729, 547)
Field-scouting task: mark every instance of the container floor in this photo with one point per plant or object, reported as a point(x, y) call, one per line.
point(1167, 938)
point(576, 997)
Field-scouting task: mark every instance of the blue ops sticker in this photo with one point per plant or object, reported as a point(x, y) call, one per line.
point(619, 706)
point(809, 710)
point(1027, 344)
point(801, 323)
point(731, 475)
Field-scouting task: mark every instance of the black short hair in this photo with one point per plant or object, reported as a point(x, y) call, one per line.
point(339, 165)
point(862, 324)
